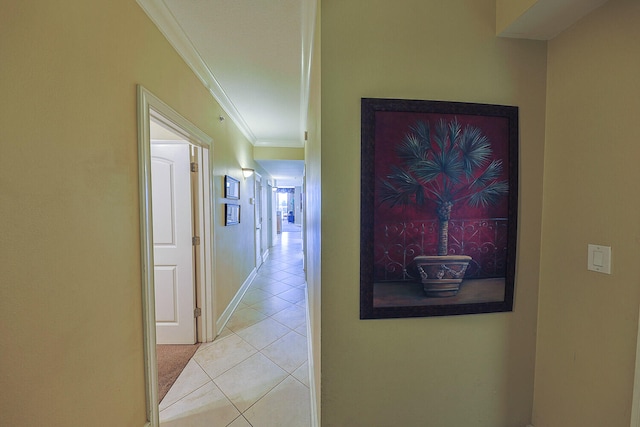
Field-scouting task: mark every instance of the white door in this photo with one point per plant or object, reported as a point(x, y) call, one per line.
point(172, 244)
point(258, 215)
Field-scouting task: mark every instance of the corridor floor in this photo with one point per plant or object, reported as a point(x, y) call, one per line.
point(256, 373)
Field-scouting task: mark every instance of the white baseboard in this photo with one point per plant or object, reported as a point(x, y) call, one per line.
point(226, 315)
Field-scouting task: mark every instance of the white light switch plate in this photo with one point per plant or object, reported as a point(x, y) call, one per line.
point(599, 259)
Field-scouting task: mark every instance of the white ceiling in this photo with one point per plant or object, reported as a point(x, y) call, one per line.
point(254, 49)
point(287, 173)
point(545, 19)
point(254, 57)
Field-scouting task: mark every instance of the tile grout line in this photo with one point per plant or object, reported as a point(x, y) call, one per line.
point(273, 274)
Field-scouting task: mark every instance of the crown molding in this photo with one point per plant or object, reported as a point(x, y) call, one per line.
point(162, 17)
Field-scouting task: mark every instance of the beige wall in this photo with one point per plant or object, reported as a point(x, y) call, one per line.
point(474, 370)
point(278, 153)
point(588, 321)
point(71, 349)
point(234, 245)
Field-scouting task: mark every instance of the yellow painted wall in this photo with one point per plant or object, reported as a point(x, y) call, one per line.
point(474, 370)
point(71, 350)
point(278, 153)
point(234, 245)
point(588, 321)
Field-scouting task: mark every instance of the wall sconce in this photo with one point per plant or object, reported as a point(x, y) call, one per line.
point(246, 172)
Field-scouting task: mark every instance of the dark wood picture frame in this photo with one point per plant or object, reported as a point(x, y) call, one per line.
point(439, 181)
point(231, 188)
point(231, 214)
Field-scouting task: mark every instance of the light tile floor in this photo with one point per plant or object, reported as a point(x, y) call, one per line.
point(256, 373)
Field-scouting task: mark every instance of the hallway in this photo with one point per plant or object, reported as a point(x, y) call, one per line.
point(255, 374)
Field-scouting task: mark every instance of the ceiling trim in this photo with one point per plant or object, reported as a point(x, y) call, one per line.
point(164, 20)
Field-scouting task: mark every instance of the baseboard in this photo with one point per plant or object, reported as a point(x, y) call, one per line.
point(226, 315)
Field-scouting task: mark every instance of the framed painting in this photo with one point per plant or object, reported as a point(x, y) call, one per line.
point(231, 214)
point(439, 197)
point(231, 188)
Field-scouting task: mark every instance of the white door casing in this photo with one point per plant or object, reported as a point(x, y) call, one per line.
point(151, 110)
point(270, 214)
point(172, 243)
point(264, 221)
point(257, 192)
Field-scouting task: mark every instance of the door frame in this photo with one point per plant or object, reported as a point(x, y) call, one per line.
point(258, 201)
point(149, 106)
point(270, 213)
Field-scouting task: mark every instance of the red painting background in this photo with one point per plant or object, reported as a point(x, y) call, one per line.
point(390, 129)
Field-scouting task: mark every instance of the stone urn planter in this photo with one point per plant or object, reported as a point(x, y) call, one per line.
point(441, 275)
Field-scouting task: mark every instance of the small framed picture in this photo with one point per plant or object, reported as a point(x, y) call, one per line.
point(231, 214)
point(231, 188)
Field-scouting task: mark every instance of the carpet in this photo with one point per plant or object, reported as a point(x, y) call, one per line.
point(172, 358)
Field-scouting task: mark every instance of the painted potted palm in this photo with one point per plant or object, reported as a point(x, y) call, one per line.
point(437, 170)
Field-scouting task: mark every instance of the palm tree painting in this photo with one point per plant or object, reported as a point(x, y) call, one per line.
point(438, 207)
point(440, 168)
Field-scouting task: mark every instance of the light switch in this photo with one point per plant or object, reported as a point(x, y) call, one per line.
point(599, 259)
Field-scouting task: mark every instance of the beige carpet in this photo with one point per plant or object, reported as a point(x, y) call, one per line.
point(172, 358)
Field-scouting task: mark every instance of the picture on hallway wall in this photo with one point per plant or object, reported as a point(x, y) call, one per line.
point(439, 197)
point(231, 188)
point(231, 214)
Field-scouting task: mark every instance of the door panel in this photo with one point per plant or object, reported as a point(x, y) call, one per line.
point(164, 233)
point(172, 246)
point(166, 284)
